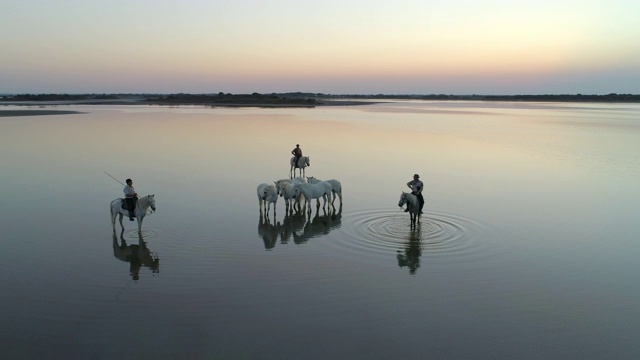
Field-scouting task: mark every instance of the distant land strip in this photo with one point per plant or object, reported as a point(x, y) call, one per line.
point(12, 113)
point(293, 99)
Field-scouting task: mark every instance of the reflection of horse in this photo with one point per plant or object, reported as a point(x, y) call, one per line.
point(336, 187)
point(137, 255)
point(412, 252)
point(268, 231)
point(413, 205)
point(314, 191)
point(143, 204)
point(319, 225)
point(292, 223)
point(303, 162)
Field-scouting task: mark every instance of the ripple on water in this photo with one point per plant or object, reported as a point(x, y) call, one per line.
point(438, 234)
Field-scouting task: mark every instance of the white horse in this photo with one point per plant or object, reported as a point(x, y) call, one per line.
point(314, 191)
point(280, 184)
point(270, 197)
point(336, 187)
point(303, 162)
point(285, 189)
point(413, 204)
point(143, 204)
point(260, 192)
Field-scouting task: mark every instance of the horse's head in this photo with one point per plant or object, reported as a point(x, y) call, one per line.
point(403, 199)
point(152, 202)
point(307, 161)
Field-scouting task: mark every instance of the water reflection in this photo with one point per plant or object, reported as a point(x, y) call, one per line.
point(409, 256)
point(319, 225)
point(299, 226)
point(292, 223)
point(137, 255)
point(268, 230)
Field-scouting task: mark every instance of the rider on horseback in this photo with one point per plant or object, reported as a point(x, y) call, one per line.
point(297, 152)
point(416, 187)
point(130, 198)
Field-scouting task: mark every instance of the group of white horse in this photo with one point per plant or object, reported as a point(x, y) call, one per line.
point(294, 190)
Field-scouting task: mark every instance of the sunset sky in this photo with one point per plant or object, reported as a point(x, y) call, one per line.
point(329, 46)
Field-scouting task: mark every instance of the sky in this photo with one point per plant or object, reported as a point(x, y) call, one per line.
point(457, 47)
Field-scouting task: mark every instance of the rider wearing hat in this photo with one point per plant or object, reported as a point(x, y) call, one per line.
point(416, 187)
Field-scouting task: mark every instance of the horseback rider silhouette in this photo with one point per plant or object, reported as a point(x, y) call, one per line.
point(297, 152)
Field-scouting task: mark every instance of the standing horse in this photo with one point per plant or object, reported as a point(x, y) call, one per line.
point(140, 211)
point(336, 187)
point(303, 162)
point(313, 191)
point(413, 204)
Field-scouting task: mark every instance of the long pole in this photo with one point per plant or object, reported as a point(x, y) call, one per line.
point(114, 178)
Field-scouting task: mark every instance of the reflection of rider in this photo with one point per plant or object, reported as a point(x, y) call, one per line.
point(412, 253)
point(130, 198)
point(136, 255)
point(416, 187)
point(297, 152)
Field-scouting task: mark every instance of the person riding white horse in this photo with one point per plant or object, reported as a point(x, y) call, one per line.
point(140, 212)
point(298, 161)
point(413, 206)
point(416, 187)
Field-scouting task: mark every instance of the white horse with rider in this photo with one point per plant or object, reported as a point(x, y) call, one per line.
point(142, 206)
point(413, 205)
point(301, 164)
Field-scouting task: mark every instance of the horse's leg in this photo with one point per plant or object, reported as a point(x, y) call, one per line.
point(121, 225)
point(140, 218)
point(113, 220)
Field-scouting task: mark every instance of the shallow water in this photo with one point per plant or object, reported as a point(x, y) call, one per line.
point(527, 248)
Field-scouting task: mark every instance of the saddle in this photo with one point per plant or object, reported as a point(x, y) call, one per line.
point(125, 205)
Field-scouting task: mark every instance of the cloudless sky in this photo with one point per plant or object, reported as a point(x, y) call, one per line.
point(329, 46)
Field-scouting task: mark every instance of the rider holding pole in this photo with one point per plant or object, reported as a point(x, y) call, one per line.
point(130, 198)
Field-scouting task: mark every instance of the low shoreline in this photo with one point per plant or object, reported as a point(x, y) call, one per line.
point(255, 100)
point(30, 112)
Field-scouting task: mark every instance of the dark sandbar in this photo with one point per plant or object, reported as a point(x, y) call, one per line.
point(10, 113)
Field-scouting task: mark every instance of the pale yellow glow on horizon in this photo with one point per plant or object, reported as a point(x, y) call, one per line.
point(224, 43)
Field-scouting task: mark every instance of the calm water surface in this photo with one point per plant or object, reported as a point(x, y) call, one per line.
point(527, 250)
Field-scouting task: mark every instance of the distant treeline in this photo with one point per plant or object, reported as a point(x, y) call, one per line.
point(226, 99)
point(566, 97)
point(307, 99)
